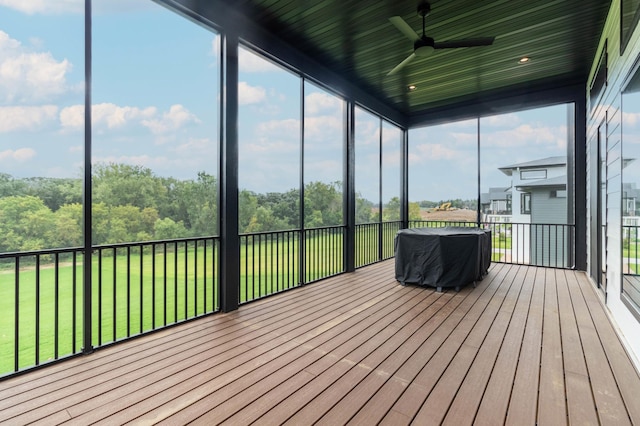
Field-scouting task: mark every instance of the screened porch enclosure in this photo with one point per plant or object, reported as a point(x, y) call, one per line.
point(270, 178)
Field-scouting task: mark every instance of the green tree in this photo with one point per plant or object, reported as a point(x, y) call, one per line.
point(55, 192)
point(167, 229)
point(68, 225)
point(391, 210)
point(124, 184)
point(263, 220)
point(364, 209)
point(100, 223)
point(201, 205)
point(284, 205)
point(26, 223)
point(11, 187)
point(248, 203)
point(414, 211)
point(322, 204)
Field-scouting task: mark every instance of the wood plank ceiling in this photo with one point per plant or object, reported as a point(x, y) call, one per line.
point(356, 40)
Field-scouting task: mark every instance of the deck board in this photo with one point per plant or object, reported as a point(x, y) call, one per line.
point(552, 408)
point(580, 403)
point(493, 409)
point(526, 345)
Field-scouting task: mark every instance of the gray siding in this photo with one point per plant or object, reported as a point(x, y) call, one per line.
point(549, 244)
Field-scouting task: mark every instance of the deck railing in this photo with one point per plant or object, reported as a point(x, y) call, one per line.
point(533, 244)
point(40, 307)
point(270, 262)
point(374, 242)
point(630, 249)
point(136, 288)
point(144, 286)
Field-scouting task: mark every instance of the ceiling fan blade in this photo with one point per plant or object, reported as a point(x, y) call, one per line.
point(402, 64)
point(404, 28)
point(469, 42)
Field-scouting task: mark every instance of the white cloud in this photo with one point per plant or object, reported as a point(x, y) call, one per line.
point(432, 152)
point(177, 117)
point(502, 120)
point(326, 129)
point(196, 146)
point(45, 6)
point(391, 136)
point(57, 7)
point(27, 118)
point(27, 76)
point(19, 155)
point(72, 118)
point(289, 127)
point(630, 118)
point(526, 135)
point(248, 95)
point(367, 133)
point(318, 102)
point(106, 115)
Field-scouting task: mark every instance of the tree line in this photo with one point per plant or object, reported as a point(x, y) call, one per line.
point(131, 203)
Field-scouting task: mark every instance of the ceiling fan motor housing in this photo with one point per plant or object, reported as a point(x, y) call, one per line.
point(424, 46)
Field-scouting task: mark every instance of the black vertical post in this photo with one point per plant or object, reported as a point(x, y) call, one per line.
point(404, 180)
point(380, 180)
point(577, 161)
point(229, 158)
point(87, 346)
point(478, 205)
point(302, 260)
point(349, 193)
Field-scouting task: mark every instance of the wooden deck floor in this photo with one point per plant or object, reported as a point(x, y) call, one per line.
point(527, 345)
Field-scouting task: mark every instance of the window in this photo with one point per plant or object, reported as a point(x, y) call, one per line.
point(367, 147)
point(525, 203)
point(269, 124)
point(154, 144)
point(533, 174)
point(443, 169)
point(559, 193)
point(323, 162)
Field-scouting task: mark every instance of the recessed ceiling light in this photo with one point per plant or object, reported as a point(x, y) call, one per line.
point(524, 60)
point(412, 87)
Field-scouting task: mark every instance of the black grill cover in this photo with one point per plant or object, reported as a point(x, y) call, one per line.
point(442, 257)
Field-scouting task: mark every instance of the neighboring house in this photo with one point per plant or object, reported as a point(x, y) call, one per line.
point(496, 202)
point(537, 195)
point(630, 204)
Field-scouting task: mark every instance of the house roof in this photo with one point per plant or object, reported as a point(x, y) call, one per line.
point(495, 193)
point(629, 190)
point(543, 162)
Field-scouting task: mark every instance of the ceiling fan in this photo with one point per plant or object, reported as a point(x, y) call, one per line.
point(424, 45)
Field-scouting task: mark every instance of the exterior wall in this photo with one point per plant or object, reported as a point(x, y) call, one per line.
point(548, 245)
point(606, 112)
point(520, 237)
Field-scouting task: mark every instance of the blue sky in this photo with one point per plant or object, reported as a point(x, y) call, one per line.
point(155, 100)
